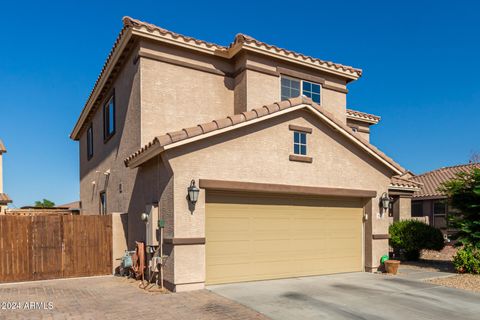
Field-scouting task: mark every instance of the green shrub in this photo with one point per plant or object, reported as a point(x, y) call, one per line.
point(463, 192)
point(467, 260)
point(411, 236)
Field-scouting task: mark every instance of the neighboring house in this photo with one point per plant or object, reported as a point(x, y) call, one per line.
point(289, 183)
point(429, 201)
point(4, 198)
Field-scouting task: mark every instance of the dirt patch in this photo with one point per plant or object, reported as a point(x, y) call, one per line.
point(434, 260)
point(462, 281)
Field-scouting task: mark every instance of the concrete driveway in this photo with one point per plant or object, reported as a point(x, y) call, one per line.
point(353, 296)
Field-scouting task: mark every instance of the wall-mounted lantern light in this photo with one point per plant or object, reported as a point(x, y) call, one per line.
point(385, 201)
point(193, 192)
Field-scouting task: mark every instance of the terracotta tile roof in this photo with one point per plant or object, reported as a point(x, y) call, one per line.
point(4, 198)
point(242, 38)
point(399, 182)
point(204, 128)
point(2, 147)
point(362, 116)
point(134, 23)
point(432, 180)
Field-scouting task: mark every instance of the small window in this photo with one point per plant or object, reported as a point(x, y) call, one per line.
point(109, 118)
point(354, 129)
point(103, 203)
point(417, 209)
point(90, 142)
point(311, 90)
point(439, 207)
point(292, 88)
point(300, 143)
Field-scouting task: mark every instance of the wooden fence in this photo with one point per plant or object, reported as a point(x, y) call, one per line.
point(40, 247)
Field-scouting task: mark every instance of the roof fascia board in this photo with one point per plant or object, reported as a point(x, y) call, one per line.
point(360, 119)
point(413, 189)
point(354, 140)
point(108, 69)
point(150, 153)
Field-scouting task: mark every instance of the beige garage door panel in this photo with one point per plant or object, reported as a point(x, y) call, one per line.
point(267, 240)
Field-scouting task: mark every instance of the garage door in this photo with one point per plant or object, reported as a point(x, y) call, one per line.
point(256, 238)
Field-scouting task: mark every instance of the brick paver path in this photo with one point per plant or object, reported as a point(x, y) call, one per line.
point(115, 298)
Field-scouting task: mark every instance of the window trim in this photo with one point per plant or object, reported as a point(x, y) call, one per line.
point(104, 193)
point(90, 141)
point(301, 86)
point(106, 120)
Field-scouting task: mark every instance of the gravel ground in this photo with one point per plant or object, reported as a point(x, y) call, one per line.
point(442, 261)
point(462, 281)
point(434, 260)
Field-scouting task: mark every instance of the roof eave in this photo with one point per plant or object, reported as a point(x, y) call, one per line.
point(349, 76)
point(432, 197)
point(403, 188)
point(116, 53)
point(360, 119)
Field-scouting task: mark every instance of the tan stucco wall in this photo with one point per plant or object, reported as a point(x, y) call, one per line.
point(175, 97)
point(260, 154)
point(119, 238)
point(403, 208)
point(109, 155)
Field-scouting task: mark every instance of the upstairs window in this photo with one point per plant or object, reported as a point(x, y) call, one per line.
point(103, 203)
point(90, 142)
point(109, 118)
point(311, 90)
point(292, 88)
point(300, 143)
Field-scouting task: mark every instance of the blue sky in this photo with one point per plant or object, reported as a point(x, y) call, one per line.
point(420, 62)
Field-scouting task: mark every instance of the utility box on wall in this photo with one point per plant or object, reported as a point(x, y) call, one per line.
point(152, 225)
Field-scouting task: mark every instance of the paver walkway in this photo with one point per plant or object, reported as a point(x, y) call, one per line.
point(114, 298)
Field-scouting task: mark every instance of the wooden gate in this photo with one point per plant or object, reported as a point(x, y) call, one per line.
point(40, 247)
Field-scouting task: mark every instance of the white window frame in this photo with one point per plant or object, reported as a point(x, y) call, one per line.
point(301, 86)
point(300, 144)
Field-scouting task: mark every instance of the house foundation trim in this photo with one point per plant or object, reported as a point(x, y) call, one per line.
point(380, 236)
point(222, 185)
point(184, 241)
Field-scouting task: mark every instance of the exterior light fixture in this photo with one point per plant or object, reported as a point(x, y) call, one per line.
point(144, 217)
point(385, 201)
point(193, 192)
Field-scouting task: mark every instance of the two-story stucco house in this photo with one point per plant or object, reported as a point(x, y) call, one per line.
point(289, 183)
